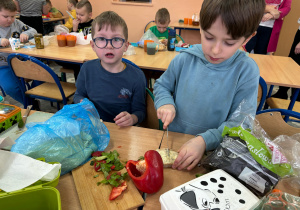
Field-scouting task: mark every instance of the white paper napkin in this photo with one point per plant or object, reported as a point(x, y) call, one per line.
point(19, 171)
point(5, 142)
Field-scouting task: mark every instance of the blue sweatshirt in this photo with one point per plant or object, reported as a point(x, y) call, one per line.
point(204, 94)
point(112, 93)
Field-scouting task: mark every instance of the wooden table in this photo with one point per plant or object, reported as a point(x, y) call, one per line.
point(47, 20)
point(133, 142)
point(181, 26)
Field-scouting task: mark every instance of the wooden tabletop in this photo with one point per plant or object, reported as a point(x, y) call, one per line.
point(131, 143)
point(177, 25)
point(47, 20)
point(276, 70)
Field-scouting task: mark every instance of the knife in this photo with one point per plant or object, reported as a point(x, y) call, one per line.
point(70, 14)
point(22, 122)
point(168, 150)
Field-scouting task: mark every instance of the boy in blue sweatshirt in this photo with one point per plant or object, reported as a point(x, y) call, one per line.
point(204, 85)
point(117, 89)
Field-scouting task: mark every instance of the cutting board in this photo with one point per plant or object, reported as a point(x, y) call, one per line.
point(93, 197)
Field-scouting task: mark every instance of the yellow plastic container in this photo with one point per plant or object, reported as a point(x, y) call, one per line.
point(40, 195)
point(9, 115)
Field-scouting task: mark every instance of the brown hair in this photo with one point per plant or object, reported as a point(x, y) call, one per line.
point(162, 16)
point(74, 2)
point(8, 5)
point(86, 4)
point(240, 17)
point(112, 19)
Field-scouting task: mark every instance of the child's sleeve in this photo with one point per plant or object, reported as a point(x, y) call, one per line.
point(138, 104)
point(81, 92)
point(164, 87)
point(246, 91)
point(25, 29)
point(69, 23)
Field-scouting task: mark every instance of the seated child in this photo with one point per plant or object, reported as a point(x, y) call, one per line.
point(52, 13)
point(71, 4)
point(162, 20)
point(205, 84)
point(11, 28)
point(117, 89)
point(83, 21)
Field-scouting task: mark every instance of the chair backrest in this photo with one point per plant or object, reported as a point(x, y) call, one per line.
point(149, 25)
point(151, 120)
point(262, 94)
point(179, 38)
point(27, 67)
point(271, 120)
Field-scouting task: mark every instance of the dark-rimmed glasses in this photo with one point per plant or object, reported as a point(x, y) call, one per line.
point(115, 42)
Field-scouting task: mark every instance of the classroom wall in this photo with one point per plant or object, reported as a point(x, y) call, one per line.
point(288, 30)
point(137, 17)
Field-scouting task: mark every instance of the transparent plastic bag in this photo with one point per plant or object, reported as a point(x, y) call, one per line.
point(68, 137)
point(148, 35)
point(58, 29)
point(246, 154)
point(130, 51)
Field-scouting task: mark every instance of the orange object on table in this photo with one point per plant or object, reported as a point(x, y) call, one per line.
point(145, 44)
point(61, 40)
point(186, 21)
point(71, 40)
point(190, 21)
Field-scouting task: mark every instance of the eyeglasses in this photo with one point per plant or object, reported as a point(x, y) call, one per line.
point(102, 42)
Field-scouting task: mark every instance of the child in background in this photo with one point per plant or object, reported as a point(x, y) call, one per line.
point(162, 20)
point(83, 21)
point(71, 4)
point(205, 84)
point(11, 28)
point(117, 89)
point(52, 13)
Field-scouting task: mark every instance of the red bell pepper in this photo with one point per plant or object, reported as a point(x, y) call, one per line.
point(116, 191)
point(147, 174)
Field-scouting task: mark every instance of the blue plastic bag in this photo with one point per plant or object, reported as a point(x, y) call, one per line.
point(68, 137)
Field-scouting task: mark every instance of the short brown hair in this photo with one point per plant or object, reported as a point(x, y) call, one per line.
point(162, 16)
point(8, 5)
point(112, 19)
point(240, 17)
point(74, 2)
point(86, 4)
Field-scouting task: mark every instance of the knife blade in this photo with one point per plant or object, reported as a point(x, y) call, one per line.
point(168, 150)
point(22, 122)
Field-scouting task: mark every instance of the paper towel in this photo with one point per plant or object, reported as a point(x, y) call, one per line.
point(19, 171)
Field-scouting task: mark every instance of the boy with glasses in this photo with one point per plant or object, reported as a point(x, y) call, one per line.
point(117, 89)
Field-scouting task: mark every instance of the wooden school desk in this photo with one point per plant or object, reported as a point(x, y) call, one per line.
point(47, 20)
point(181, 26)
point(134, 142)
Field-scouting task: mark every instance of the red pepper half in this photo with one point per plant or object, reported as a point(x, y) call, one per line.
point(147, 174)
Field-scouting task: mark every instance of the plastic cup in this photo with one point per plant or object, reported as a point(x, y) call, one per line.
point(190, 21)
point(186, 21)
point(71, 40)
point(152, 48)
point(61, 40)
point(145, 44)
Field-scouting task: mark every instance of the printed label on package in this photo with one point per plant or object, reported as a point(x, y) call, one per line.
point(252, 179)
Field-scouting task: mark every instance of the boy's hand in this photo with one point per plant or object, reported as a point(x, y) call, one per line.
point(75, 24)
point(164, 41)
point(297, 48)
point(4, 42)
point(167, 114)
point(190, 154)
point(24, 38)
point(125, 119)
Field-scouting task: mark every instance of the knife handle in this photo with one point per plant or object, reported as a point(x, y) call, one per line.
point(27, 111)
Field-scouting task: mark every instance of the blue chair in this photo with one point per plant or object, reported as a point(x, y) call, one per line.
point(149, 25)
point(49, 88)
point(271, 120)
point(262, 94)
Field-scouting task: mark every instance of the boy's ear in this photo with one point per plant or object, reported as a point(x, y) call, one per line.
point(92, 44)
point(248, 39)
point(126, 46)
point(90, 15)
